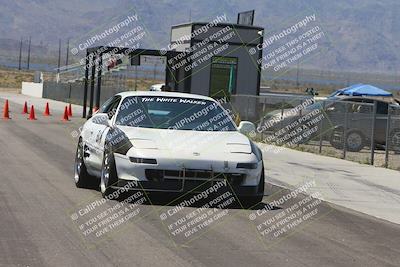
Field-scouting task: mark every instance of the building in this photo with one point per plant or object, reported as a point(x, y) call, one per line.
point(214, 59)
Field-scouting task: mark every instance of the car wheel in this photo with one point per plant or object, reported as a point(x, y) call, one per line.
point(355, 141)
point(395, 140)
point(250, 201)
point(108, 176)
point(81, 176)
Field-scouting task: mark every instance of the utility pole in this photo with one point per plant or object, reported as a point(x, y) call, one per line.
point(29, 52)
point(297, 76)
point(20, 54)
point(66, 59)
point(59, 55)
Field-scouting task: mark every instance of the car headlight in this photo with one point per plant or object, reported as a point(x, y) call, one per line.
point(247, 166)
point(251, 165)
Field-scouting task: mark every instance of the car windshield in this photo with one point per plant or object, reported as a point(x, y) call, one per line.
point(173, 113)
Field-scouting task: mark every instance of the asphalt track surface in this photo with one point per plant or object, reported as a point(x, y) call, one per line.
point(37, 195)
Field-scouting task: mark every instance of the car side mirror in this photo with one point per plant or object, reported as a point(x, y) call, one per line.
point(246, 127)
point(101, 118)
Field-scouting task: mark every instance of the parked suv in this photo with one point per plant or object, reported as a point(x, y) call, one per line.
point(359, 120)
point(353, 113)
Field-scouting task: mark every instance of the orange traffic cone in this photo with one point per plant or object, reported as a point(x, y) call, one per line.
point(25, 110)
point(70, 110)
point(47, 110)
point(32, 114)
point(6, 112)
point(65, 117)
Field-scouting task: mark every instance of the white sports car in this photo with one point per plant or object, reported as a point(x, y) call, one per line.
point(173, 142)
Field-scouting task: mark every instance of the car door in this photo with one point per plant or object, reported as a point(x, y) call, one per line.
point(95, 134)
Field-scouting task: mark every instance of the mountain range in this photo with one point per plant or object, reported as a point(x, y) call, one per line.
point(360, 35)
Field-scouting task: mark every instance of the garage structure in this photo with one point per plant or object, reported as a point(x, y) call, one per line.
point(227, 68)
point(218, 61)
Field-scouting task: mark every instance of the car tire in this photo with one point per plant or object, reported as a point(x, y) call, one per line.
point(81, 176)
point(355, 141)
point(394, 140)
point(250, 201)
point(108, 174)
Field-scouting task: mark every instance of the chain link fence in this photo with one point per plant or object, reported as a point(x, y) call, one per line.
point(392, 155)
point(359, 129)
point(68, 84)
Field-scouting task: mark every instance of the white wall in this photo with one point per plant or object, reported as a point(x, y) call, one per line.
point(32, 89)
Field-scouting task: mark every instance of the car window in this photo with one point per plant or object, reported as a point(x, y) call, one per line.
point(353, 100)
point(113, 107)
point(106, 106)
point(360, 108)
point(382, 108)
point(359, 105)
point(394, 109)
point(177, 113)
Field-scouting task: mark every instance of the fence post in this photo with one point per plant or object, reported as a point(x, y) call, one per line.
point(69, 93)
point(387, 138)
point(320, 128)
point(373, 133)
point(85, 88)
point(262, 121)
point(345, 130)
point(92, 77)
point(247, 109)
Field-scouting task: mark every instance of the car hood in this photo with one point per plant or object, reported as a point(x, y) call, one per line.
point(187, 141)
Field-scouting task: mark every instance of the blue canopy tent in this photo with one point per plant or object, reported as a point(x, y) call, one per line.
point(361, 90)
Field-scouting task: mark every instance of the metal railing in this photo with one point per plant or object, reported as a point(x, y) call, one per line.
point(362, 130)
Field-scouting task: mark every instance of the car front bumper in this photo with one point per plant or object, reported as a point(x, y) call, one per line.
point(187, 173)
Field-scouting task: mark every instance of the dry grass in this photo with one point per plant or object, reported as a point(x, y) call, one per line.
point(10, 78)
point(363, 157)
point(142, 84)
